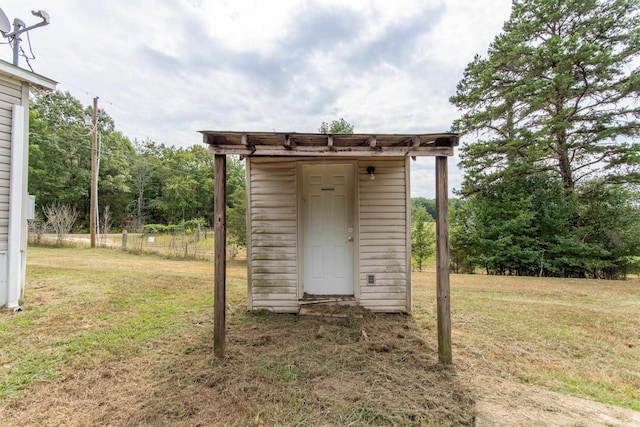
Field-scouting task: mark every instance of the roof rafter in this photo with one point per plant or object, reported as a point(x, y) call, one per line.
point(322, 145)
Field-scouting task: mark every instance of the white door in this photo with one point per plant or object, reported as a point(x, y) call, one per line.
point(327, 229)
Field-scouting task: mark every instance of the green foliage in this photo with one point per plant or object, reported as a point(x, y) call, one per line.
point(155, 229)
point(462, 248)
point(550, 175)
point(336, 126)
point(146, 183)
point(558, 92)
point(236, 203)
point(142, 182)
point(60, 155)
point(429, 206)
point(182, 183)
point(423, 235)
point(526, 226)
point(190, 226)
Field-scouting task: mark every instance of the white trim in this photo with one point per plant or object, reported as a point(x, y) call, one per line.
point(299, 240)
point(24, 234)
point(26, 76)
point(407, 172)
point(248, 189)
point(356, 229)
point(14, 271)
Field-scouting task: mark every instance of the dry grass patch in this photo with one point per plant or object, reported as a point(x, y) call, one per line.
point(580, 337)
point(110, 338)
point(127, 340)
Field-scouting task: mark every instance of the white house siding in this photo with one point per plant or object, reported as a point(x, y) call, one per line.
point(10, 94)
point(383, 235)
point(272, 234)
point(383, 238)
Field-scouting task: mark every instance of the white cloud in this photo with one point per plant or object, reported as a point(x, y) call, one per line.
point(164, 70)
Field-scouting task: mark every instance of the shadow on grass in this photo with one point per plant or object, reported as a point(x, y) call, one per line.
point(288, 370)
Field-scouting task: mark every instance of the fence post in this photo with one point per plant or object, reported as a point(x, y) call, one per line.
point(124, 240)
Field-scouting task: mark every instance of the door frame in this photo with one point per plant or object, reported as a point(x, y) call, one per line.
point(356, 222)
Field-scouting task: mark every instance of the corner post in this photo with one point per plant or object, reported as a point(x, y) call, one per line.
point(442, 262)
point(220, 251)
point(93, 208)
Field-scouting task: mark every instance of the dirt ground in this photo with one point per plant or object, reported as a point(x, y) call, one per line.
point(505, 403)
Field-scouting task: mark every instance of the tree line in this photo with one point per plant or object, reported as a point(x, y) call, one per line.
point(140, 182)
point(550, 121)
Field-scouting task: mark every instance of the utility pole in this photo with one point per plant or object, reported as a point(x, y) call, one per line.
point(94, 175)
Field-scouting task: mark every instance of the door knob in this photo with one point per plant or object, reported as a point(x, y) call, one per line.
point(350, 238)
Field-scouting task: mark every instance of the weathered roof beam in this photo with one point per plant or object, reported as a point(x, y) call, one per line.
point(445, 142)
point(303, 151)
point(310, 144)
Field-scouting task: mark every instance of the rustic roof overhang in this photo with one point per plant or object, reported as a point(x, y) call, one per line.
point(337, 145)
point(327, 145)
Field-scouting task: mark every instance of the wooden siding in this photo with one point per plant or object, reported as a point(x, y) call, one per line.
point(10, 94)
point(383, 235)
point(273, 235)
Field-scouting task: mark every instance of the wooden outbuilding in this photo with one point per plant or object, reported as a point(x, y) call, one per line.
point(329, 219)
point(15, 206)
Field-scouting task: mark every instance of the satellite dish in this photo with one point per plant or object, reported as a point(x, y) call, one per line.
point(5, 26)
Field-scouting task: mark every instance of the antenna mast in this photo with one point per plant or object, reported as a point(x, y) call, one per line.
point(20, 27)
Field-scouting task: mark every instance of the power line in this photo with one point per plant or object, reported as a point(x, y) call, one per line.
point(30, 48)
point(27, 60)
point(117, 105)
point(110, 152)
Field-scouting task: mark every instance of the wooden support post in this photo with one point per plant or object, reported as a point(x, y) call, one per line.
point(442, 262)
point(220, 251)
point(93, 208)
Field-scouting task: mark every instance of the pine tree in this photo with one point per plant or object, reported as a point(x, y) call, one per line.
point(558, 92)
point(550, 120)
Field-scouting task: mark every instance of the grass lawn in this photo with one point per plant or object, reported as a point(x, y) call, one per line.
point(108, 337)
point(575, 336)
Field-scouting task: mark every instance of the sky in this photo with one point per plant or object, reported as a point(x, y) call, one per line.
point(164, 70)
